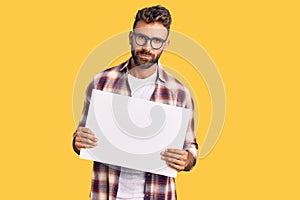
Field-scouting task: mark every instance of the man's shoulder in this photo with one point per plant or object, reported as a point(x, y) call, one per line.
point(171, 82)
point(109, 73)
point(112, 72)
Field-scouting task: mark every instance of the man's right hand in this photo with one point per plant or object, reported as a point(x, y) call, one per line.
point(85, 138)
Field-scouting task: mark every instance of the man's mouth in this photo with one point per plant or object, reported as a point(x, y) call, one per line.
point(145, 56)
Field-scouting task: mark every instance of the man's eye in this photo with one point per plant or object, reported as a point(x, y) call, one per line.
point(141, 37)
point(157, 41)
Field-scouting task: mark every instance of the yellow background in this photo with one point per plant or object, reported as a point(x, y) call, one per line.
point(255, 45)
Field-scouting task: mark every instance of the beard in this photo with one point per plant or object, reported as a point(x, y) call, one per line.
point(143, 62)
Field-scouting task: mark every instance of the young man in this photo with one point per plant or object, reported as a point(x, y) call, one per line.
point(142, 76)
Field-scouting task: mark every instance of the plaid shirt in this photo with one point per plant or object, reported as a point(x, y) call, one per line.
point(168, 91)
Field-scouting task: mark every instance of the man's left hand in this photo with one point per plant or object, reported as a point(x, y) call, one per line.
point(178, 159)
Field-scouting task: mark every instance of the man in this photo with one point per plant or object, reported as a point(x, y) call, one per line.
point(142, 76)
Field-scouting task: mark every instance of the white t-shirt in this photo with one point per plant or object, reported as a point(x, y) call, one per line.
point(131, 182)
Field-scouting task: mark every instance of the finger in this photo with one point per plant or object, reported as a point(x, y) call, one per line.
point(90, 135)
point(173, 160)
point(77, 138)
point(175, 155)
point(177, 151)
point(176, 167)
point(80, 145)
point(171, 155)
point(86, 141)
point(84, 129)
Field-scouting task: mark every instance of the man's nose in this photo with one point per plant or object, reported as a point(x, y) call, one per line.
point(148, 44)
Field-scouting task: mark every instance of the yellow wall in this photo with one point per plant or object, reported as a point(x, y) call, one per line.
point(255, 45)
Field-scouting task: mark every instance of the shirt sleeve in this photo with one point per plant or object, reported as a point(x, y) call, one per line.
point(190, 143)
point(92, 85)
point(86, 105)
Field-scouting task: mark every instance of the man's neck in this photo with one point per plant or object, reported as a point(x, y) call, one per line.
point(139, 72)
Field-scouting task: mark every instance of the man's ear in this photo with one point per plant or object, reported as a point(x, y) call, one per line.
point(167, 43)
point(130, 36)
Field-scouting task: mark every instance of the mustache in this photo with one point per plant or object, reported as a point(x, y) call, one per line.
point(144, 52)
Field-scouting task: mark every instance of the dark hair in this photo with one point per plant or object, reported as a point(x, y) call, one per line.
point(154, 14)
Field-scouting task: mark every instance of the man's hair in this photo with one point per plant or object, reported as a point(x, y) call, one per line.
point(154, 14)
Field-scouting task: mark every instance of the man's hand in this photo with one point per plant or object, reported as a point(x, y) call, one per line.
point(178, 159)
point(85, 138)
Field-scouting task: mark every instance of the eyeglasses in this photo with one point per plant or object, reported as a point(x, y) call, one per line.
point(141, 40)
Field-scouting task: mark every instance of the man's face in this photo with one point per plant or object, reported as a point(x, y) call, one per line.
point(148, 41)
